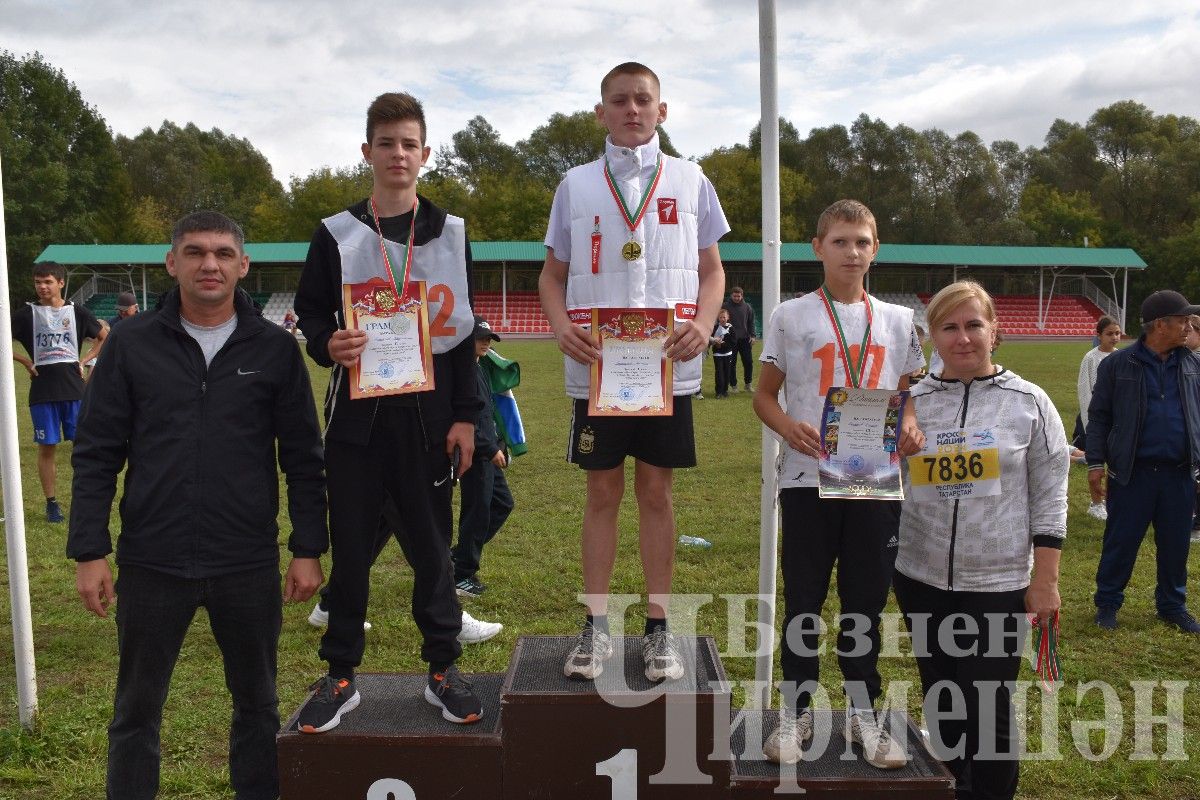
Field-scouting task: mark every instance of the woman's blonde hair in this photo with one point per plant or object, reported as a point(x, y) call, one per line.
point(951, 297)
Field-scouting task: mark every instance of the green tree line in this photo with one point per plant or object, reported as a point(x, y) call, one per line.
point(1127, 177)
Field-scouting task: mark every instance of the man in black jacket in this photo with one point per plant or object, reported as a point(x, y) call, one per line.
point(741, 321)
point(396, 445)
point(195, 397)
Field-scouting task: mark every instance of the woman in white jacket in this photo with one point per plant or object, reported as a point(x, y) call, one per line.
point(1108, 331)
point(986, 504)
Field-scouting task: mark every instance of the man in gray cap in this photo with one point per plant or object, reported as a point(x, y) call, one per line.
point(127, 306)
point(1144, 427)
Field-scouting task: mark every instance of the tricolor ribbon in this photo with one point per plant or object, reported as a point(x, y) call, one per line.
point(1047, 666)
point(408, 252)
point(633, 218)
point(854, 372)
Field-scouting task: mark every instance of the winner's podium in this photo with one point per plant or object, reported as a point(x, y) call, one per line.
point(620, 736)
point(547, 736)
point(396, 742)
point(832, 768)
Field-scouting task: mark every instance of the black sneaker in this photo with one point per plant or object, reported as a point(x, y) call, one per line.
point(450, 692)
point(1183, 620)
point(469, 587)
point(323, 711)
point(1106, 617)
point(53, 511)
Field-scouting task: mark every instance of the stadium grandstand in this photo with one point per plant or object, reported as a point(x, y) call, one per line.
point(1040, 291)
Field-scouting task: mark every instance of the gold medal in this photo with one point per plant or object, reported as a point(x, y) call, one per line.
point(631, 251)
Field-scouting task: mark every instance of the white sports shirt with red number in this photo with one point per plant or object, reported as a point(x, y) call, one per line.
point(802, 343)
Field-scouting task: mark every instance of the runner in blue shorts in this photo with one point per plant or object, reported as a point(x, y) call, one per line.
point(51, 331)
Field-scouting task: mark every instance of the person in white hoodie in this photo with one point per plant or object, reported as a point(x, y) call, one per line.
point(985, 505)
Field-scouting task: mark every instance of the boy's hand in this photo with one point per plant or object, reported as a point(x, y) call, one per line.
point(804, 438)
point(462, 436)
point(499, 460)
point(577, 343)
point(346, 346)
point(687, 342)
point(911, 440)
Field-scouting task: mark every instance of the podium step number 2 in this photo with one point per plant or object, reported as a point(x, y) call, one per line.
point(390, 789)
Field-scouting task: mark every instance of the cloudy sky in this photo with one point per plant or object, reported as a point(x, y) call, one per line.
point(295, 76)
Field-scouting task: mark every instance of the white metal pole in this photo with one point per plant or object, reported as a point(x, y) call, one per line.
point(14, 508)
point(504, 293)
point(768, 510)
point(1124, 299)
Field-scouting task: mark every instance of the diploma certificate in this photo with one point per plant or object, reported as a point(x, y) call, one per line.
point(633, 375)
point(398, 358)
point(859, 430)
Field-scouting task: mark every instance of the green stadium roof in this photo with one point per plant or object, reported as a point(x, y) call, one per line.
point(97, 255)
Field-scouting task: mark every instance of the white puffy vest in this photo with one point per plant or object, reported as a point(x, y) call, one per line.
point(665, 276)
point(441, 263)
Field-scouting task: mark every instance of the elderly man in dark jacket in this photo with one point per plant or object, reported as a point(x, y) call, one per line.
point(200, 397)
point(1144, 426)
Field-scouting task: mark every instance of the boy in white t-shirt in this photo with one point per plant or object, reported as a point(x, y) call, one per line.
point(836, 336)
point(635, 228)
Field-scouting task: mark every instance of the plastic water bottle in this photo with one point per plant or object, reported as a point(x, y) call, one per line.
point(694, 541)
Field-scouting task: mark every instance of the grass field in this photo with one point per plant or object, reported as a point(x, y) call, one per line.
point(533, 572)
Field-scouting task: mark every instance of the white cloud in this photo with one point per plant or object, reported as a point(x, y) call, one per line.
point(295, 77)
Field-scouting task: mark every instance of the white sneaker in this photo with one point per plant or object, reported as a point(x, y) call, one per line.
point(785, 744)
point(879, 748)
point(660, 654)
point(586, 660)
point(319, 618)
point(475, 631)
point(1098, 510)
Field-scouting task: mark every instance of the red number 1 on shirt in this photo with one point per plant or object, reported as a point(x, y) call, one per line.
point(827, 355)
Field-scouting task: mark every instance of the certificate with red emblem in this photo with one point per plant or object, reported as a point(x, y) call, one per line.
point(632, 377)
point(398, 358)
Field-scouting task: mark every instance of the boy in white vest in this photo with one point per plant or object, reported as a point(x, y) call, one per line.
point(633, 229)
point(835, 336)
point(396, 446)
point(51, 330)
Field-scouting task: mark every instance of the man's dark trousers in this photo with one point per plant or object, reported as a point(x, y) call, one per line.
point(743, 349)
point(486, 504)
point(1160, 494)
point(153, 615)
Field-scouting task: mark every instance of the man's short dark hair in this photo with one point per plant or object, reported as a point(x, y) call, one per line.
point(394, 107)
point(207, 222)
point(736, 290)
point(52, 268)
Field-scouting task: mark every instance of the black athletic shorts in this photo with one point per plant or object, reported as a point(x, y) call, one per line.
point(604, 442)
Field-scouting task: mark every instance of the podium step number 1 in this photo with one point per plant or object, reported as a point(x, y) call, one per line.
point(622, 769)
